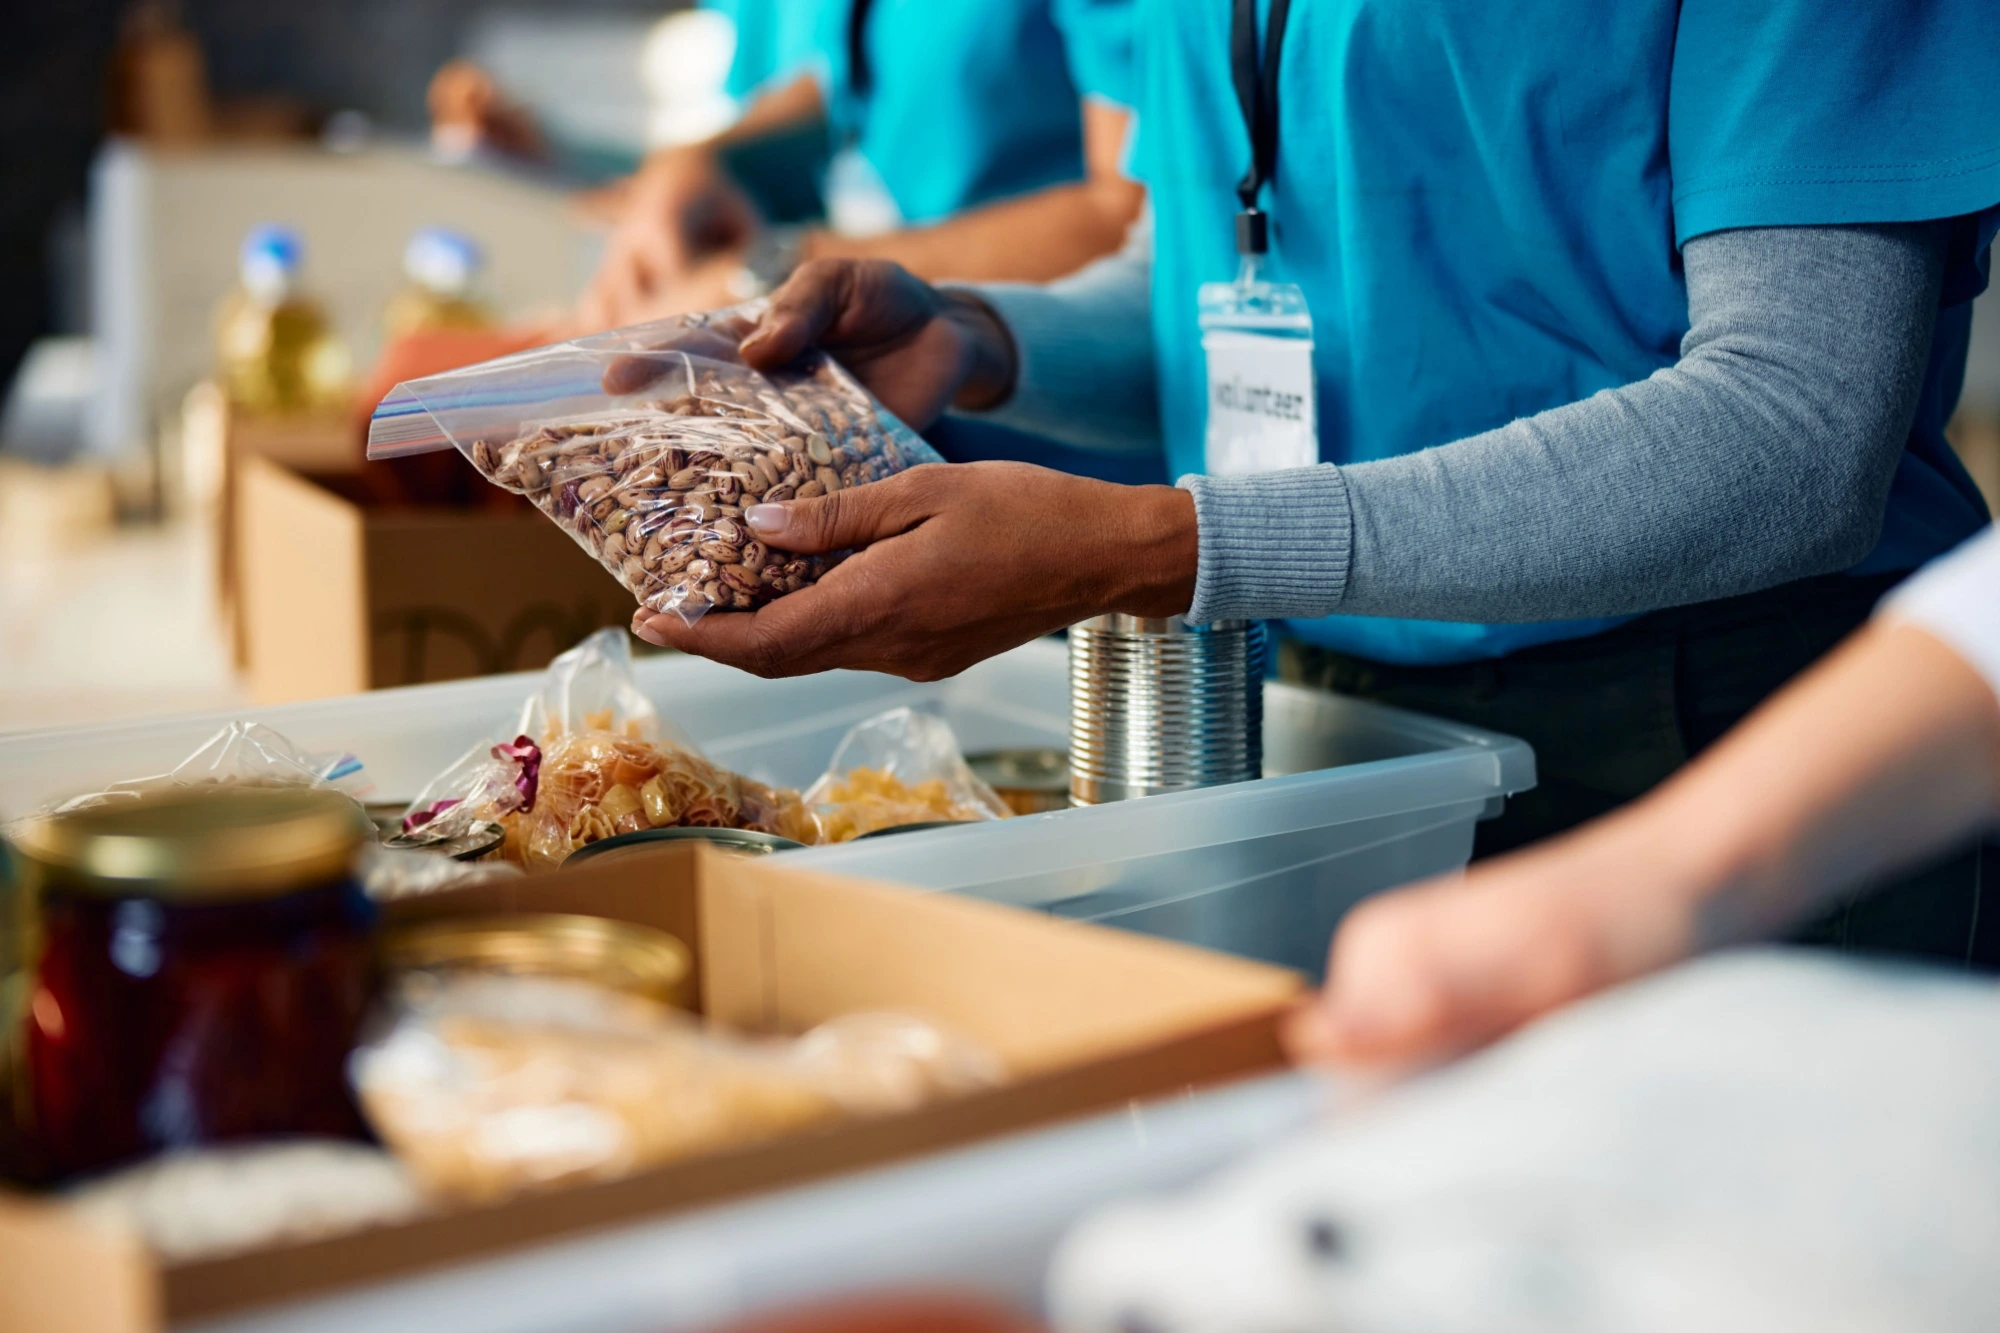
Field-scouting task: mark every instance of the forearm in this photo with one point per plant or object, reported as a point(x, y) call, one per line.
point(779, 107)
point(1886, 753)
point(1765, 454)
point(1033, 238)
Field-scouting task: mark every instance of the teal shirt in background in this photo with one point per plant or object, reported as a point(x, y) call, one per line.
point(973, 100)
point(1484, 202)
point(776, 41)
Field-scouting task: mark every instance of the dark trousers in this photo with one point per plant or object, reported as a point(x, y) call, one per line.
point(1612, 715)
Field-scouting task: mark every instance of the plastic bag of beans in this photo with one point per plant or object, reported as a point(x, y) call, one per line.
point(647, 444)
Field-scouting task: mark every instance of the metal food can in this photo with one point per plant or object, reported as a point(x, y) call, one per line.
point(1029, 780)
point(748, 842)
point(1162, 705)
point(617, 955)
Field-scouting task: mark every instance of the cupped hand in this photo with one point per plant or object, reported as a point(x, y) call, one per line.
point(953, 563)
point(1428, 972)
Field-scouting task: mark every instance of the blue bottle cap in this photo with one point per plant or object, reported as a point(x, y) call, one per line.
point(443, 260)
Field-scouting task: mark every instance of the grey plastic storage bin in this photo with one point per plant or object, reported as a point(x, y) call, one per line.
point(1373, 797)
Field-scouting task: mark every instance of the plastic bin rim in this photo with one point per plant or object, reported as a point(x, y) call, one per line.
point(1293, 803)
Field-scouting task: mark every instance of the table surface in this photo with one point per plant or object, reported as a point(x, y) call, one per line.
point(122, 624)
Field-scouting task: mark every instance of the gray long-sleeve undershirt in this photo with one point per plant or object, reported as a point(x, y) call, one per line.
point(1763, 455)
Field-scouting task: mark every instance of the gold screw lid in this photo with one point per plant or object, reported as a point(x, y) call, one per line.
point(209, 843)
point(620, 956)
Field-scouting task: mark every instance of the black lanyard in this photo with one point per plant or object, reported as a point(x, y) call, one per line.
point(1257, 95)
point(860, 78)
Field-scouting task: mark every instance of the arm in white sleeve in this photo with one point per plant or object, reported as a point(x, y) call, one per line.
point(1956, 599)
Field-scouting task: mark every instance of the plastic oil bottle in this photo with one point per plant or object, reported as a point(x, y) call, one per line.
point(442, 271)
point(275, 350)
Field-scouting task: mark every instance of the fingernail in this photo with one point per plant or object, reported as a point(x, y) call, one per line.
point(766, 520)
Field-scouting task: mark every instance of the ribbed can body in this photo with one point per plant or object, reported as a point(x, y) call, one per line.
point(1161, 705)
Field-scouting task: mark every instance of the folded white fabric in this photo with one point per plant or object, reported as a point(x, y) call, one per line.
point(1764, 1141)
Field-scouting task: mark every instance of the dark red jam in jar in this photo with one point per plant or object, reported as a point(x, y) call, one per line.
point(203, 961)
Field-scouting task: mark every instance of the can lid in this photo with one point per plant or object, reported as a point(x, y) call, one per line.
point(1031, 768)
point(748, 841)
point(618, 955)
point(921, 826)
point(212, 843)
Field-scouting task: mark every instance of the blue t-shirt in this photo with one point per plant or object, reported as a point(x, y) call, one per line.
point(973, 100)
point(1484, 202)
point(776, 41)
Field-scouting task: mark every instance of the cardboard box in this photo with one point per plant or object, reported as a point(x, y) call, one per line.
point(340, 595)
point(215, 439)
point(1085, 1018)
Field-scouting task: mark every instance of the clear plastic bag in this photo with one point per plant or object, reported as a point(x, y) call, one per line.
point(591, 759)
point(242, 754)
point(646, 444)
point(899, 767)
point(250, 754)
point(485, 1085)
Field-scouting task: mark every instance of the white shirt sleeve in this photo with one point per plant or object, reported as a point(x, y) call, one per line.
point(1957, 599)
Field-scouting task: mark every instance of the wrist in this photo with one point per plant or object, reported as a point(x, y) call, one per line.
point(1157, 555)
point(991, 360)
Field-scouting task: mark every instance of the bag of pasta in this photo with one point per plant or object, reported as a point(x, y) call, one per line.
point(646, 444)
point(591, 759)
point(899, 767)
point(486, 1085)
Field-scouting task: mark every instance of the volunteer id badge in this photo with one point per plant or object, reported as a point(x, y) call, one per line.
point(1262, 413)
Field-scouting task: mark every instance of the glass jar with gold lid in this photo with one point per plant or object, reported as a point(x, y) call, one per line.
point(195, 965)
point(617, 955)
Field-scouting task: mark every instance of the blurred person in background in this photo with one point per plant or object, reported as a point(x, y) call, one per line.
point(995, 128)
point(1618, 425)
point(994, 132)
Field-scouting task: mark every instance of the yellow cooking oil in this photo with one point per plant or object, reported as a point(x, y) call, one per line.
point(276, 351)
point(441, 273)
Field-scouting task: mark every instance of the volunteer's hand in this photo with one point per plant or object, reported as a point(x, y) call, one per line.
point(918, 349)
point(1424, 973)
point(679, 210)
point(960, 561)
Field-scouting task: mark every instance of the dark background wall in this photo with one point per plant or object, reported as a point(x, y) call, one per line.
point(372, 56)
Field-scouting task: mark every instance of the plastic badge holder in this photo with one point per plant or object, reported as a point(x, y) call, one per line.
point(647, 444)
point(1257, 337)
